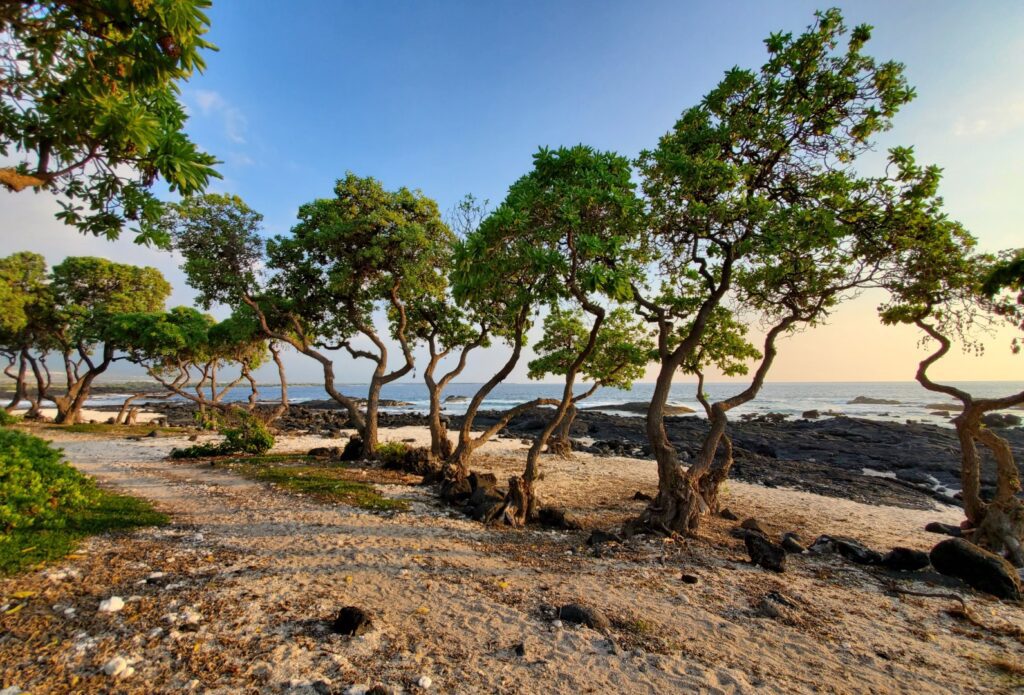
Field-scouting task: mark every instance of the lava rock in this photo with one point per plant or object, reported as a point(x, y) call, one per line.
point(329, 451)
point(597, 537)
point(642, 496)
point(753, 525)
point(1000, 420)
point(456, 490)
point(791, 543)
point(852, 550)
point(352, 621)
point(977, 567)
point(689, 578)
point(811, 414)
point(944, 529)
point(583, 615)
point(765, 553)
point(905, 560)
point(555, 517)
point(727, 513)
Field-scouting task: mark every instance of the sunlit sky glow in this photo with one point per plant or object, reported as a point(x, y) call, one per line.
point(454, 98)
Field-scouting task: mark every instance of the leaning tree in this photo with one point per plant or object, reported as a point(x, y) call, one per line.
point(89, 107)
point(88, 293)
point(565, 234)
point(953, 294)
point(763, 150)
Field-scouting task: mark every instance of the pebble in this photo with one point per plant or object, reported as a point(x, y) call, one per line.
point(155, 575)
point(115, 666)
point(357, 689)
point(191, 616)
point(112, 604)
point(556, 623)
point(425, 682)
point(155, 632)
point(69, 612)
point(12, 690)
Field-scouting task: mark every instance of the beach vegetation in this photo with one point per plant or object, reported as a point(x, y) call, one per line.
point(90, 110)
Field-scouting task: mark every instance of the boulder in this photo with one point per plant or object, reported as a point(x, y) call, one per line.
point(351, 621)
point(584, 615)
point(727, 513)
point(1000, 420)
point(977, 567)
point(905, 560)
point(944, 529)
point(555, 517)
point(765, 553)
point(597, 537)
point(852, 550)
point(811, 414)
point(753, 525)
point(791, 543)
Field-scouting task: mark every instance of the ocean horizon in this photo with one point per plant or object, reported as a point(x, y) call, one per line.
point(906, 400)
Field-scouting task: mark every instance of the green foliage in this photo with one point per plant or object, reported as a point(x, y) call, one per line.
point(329, 483)
point(364, 249)
point(621, 352)
point(392, 454)
point(36, 486)
point(89, 107)
point(219, 238)
point(6, 419)
point(23, 296)
point(250, 436)
point(106, 512)
point(90, 292)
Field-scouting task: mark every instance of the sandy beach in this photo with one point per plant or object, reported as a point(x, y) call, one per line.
point(238, 592)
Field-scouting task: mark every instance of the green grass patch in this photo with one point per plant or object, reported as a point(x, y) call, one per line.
point(24, 548)
point(328, 483)
point(123, 430)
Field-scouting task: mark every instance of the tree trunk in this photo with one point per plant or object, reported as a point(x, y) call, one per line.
point(560, 443)
point(440, 444)
point(666, 511)
point(20, 388)
point(369, 430)
point(42, 376)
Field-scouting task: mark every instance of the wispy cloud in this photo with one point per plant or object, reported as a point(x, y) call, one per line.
point(212, 105)
point(990, 120)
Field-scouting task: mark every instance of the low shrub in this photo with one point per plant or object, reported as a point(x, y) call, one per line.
point(36, 486)
point(392, 454)
point(250, 436)
point(6, 419)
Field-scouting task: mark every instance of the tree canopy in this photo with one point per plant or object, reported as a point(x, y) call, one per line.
point(89, 107)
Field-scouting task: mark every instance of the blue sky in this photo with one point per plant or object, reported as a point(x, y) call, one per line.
point(454, 97)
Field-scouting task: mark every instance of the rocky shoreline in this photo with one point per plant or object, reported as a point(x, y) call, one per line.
point(902, 464)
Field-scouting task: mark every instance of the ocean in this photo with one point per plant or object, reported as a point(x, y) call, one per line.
point(792, 399)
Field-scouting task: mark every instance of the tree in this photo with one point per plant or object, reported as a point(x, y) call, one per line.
point(447, 329)
point(951, 293)
point(187, 352)
point(366, 250)
point(621, 352)
point(762, 163)
point(564, 233)
point(88, 293)
point(24, 303)
point(89, 107)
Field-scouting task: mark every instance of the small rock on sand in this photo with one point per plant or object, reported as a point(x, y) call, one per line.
point(584, 615)
point(111, 605)
point(352, 621)
point(115, 667)
point(765, 553)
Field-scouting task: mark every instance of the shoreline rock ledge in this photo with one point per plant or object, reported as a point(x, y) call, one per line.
point(640, 407)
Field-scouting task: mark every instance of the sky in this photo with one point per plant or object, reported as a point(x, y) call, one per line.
point(454, 98)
